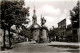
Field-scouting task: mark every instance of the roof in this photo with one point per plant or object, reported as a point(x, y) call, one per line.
point(34, 26)
point(62, 21)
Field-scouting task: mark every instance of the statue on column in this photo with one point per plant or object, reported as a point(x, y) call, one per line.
point(43, 21)
point(44, 34)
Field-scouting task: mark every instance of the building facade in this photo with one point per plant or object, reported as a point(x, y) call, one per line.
point(62, 30)
point(69, 34)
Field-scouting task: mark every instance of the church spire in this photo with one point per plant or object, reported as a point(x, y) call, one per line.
point(34, 16)
point(34, 10)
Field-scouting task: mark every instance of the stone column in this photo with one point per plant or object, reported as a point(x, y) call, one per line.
point(44, 35)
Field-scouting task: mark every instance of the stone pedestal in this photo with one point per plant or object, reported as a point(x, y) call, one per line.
point(44, 35)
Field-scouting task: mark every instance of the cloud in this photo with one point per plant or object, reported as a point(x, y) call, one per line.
point(51, 14)
point(51, 21)
point(52, 10)
point(49, 10)
point(64, 15)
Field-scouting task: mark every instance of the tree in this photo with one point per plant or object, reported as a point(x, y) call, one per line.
point(12, 13)
point(51, 34)
point(74, 13)
point(26, 32)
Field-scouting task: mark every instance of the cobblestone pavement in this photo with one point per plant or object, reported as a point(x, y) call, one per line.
point(32, 47)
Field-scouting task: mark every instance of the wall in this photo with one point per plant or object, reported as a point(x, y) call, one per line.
point(62, 29)
point(36, 34)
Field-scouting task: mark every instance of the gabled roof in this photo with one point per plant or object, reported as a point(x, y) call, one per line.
point(34, 26)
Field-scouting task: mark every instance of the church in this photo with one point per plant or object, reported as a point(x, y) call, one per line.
point(39, 33)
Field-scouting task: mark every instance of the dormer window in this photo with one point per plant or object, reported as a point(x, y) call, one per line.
point(75, 21)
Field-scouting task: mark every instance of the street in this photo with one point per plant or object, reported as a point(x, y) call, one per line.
point(32, 47)
point(39, 26)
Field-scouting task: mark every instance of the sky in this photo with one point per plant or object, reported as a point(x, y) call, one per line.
point(52, 10)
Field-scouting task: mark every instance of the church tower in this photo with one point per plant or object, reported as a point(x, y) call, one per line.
point(35, 27)
point(34, 17)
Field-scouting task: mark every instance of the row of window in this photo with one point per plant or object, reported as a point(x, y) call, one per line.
point(64, 28)
point(63, 33)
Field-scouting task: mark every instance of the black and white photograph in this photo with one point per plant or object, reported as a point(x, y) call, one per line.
point(39, 26)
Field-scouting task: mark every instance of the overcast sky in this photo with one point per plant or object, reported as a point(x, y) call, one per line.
point(52, 10)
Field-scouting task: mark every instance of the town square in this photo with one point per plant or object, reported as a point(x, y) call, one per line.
point(39, 26)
